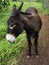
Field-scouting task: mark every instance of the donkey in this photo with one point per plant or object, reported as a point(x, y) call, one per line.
point(29, 21)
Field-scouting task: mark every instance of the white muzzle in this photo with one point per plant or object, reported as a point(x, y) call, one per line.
point(10, 38)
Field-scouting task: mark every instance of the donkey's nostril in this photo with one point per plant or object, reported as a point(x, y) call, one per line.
point(9, 41)
point(12, 42)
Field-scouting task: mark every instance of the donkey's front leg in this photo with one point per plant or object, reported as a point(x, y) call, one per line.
point(29, 45)
point(36, 45)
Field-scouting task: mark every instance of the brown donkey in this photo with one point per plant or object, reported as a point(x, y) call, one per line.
point(29, 21)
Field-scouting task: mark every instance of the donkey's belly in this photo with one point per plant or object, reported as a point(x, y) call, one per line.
point(31, 32)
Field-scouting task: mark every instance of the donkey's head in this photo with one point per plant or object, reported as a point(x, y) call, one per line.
point(14, 26)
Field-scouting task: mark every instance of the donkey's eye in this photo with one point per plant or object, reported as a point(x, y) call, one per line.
point(12, 26)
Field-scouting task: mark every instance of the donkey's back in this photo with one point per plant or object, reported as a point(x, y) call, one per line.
point(31, 10)
point(34, 19)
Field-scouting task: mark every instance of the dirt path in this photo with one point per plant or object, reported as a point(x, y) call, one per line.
point(43, 47)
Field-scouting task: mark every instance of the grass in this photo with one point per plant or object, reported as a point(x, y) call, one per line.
point(10, 53)
point(7, 50)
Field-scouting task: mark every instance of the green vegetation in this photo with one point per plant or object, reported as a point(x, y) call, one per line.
point(4, 3)
point(10, 53)
point(37, 5)
point(6, 49)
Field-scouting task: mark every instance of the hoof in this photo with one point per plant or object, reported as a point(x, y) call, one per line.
point(37, 56)
point(28, 56)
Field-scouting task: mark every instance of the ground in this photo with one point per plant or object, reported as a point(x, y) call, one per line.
point(43, 46)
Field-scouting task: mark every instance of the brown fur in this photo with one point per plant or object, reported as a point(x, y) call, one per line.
point(29, 21)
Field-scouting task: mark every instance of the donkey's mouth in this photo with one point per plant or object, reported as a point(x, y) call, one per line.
point(11, 38)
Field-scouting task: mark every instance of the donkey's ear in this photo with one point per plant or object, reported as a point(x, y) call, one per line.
point(20, 7)
point(13, 10)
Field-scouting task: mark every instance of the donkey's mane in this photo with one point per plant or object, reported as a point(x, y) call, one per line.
point(25, 13)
